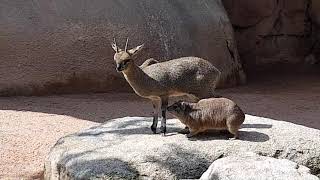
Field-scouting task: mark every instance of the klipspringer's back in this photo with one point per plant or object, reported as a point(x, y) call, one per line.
point(186, 74)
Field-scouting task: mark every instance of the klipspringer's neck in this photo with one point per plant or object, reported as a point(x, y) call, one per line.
point(136, 78)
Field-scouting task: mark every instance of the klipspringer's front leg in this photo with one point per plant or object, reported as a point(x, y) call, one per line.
point(154, 125)
point(164, 105)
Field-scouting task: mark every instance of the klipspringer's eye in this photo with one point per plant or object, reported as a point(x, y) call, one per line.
point(126, 61)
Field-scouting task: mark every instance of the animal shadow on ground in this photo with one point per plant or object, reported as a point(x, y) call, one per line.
point(139, 127)
point(257, 126)
point(244, 135)
point(131, 131)
point(129, 127)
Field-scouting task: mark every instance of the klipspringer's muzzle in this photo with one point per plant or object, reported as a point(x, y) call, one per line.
point(120, 67)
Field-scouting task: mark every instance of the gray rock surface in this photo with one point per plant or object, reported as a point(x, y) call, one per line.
point(250, 166)
point(64, 45)
point(126, 148)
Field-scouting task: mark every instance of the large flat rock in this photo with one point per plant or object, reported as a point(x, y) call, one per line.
point(126, 148)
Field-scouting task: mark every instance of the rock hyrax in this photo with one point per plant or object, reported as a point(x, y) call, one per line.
point(211, 113)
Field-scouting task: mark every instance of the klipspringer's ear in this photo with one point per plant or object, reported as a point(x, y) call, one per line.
point(136, 49)
point(114, 46)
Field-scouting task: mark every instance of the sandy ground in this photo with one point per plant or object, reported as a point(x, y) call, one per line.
point(29, 126)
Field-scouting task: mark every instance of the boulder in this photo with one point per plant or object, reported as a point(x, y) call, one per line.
point(275, 34)
point(63, 46)
point(253, 166)
point(126, 148)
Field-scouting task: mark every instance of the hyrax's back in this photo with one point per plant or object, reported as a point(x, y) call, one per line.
point(221, 110)
point(216, 113)
point(188, 74)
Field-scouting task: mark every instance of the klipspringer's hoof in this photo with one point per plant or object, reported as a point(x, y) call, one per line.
point(153, 129)
point(163, 134)
point(184, 131)
point(163, 131)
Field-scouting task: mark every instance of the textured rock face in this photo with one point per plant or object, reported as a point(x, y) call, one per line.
point(64, 46)
point(315, 15)
point(126, 148)
point(281, 32)
point(253, 166)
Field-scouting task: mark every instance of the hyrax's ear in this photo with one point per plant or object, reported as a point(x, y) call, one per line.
point(135, 50)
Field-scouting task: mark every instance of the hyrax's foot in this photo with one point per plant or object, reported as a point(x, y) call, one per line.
point(235, 136)
point(153, 129)
point(189, 135)
point(184, 131)
point(163, 130)
point(192, 133)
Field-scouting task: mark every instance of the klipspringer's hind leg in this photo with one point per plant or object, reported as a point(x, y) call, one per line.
point(164, 105)
point(155, 104)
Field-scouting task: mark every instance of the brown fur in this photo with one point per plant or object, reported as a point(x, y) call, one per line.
point(212, 113)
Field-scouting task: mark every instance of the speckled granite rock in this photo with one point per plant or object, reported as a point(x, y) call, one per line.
point(126, 148)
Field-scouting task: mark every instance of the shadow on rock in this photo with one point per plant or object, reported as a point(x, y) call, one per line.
point(79, 167)
point(184, 164)
point(143, 130)
point(258, 126)
point(252, 136)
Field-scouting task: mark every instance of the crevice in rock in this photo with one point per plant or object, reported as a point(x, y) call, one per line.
point(291, 154)
point(314, 166)
point(230, 50)
point(241, 28)
point(308, 24)
point(277, 153)
point(282, 35)
point(277, 24)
